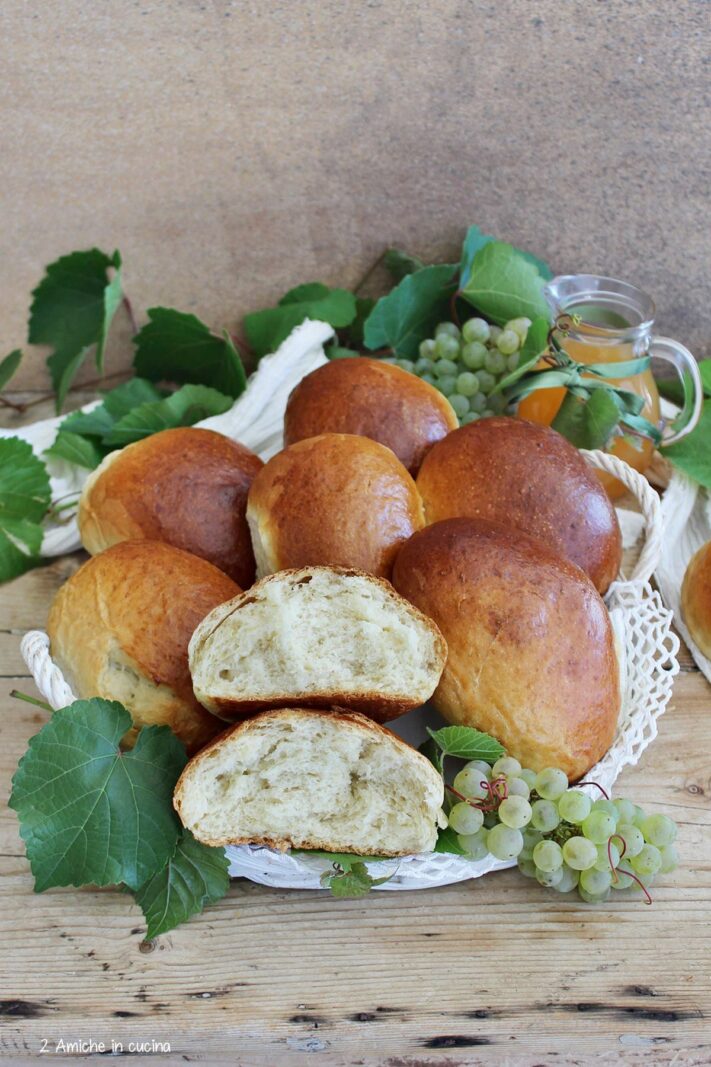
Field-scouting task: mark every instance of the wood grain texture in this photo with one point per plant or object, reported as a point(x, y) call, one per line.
point(231, 149)
point(496, 971)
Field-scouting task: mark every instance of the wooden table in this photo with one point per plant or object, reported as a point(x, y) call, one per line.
point(495, 971)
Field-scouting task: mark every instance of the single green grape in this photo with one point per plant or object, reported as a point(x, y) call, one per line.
point(596, 882)
point(446, 346)
point(405, 364)
point(550, 783)
point(494, 362)
point(473, 355)
point(459, 403)
point(670, 858)
point(632, 837)
point(471, 416)
point(603, 804)
point(528, 776)
point(593, 898)
point(517, 787)
point(602, 862)
point(648, 861)
point(464, 819)
point(469, 781)
point(599, 826)
point(625, 809)
point(428, 349)
point(467, 384)
point(659, 830)
point(508, 342)
point(520, 326)
point(444, 367)
point(574, 806)
point(548, 855)
point(526, 866)
point(423, 366)
point(486, 381)
point(474, 844)
point(494, 334)
point(447, 384)
point(549, 879)
point(515, 812)
point(544, 815)
point(504, 842)
point(475, 330)
point(447, 329)
point(478, 402)
point(569, 880)
point(505, 765)
point(579, 853)
point(488, 413)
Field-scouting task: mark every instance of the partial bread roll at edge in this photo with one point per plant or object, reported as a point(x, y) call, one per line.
point(312, 779)
point(316, 637)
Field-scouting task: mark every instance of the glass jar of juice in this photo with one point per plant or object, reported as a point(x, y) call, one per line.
point(613, 323)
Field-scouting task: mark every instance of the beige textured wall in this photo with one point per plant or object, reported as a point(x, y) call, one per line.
point(231, 149)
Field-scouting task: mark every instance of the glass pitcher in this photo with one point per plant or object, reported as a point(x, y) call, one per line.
point(616, 321)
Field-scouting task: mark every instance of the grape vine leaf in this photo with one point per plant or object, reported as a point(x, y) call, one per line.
point(177, 347)
point(588, 422)
point(448, 841)
point(475, 239)
point(91, 814)
point(8, 366)
point(24, 498)
point(351, 881)
point(116, 403)
point(409, 312)
point(467, 743)
point(190, 404)
point(72, 309)
point(692, 454)
point(504, 284)
point(82, 451)
point(195, 875)
point(268, 328)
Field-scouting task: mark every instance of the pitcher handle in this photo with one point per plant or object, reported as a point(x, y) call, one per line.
point(684, 364)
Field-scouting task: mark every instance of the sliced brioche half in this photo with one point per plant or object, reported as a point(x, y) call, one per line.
point(317, 637)
point(312, 779)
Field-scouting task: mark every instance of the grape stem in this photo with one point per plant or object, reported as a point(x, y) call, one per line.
point(630, 874)
point(497, 790)
point(597, 786)
point(453, 307)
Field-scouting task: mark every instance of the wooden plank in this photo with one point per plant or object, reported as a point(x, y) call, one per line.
point(485, 972)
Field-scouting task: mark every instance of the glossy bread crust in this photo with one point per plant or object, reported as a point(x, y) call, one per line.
point(187, 487)
point(119, 628)
point(338, 500)
point(528, 478)
point(531, 655)
point(696, 598)
point(374, 399)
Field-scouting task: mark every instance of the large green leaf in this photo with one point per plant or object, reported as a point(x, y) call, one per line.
point(72, 309)
point(504, 284)
point(190, 404)
point(24, 498)
point(475, 239)
point(91, 814)
point(467, 743)
point(72, 447)
point(588, 422)
point(176, 347)
point(268, 328)
point(692, 454)
point(410, 312)
point(195, 876)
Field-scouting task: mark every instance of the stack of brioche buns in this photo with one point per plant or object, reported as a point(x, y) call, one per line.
point(398, 559)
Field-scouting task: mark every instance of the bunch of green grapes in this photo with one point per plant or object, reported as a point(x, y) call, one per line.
point(467, 364)
point(559, 836)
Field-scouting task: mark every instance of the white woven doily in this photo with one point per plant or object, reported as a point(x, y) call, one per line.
point(647, 649)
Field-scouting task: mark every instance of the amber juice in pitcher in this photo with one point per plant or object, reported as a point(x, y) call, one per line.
point(612, 323)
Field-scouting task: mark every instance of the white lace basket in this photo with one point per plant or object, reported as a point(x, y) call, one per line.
point(646, 644)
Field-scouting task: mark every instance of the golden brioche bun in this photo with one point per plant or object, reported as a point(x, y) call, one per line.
point(337, 500)
point(119, 628)
point(374, 399)
point(187, 487)
point(306, 778)
point(531, 655)
point(696, 598)
point(529, 478)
